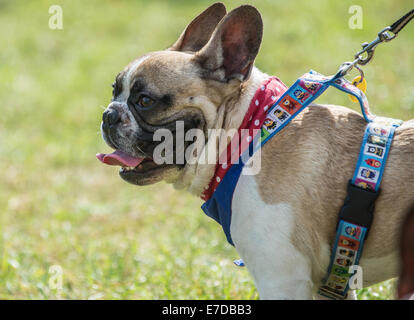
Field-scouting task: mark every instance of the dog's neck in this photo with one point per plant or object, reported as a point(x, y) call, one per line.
point(230, 115)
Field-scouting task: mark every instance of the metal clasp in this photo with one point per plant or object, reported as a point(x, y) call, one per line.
point(347, 66)
point(367, 53)
point(383, 36)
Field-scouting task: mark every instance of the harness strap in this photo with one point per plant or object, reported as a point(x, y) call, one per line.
point(356, 215)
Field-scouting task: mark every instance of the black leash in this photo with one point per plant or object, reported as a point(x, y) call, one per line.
point(402, 22)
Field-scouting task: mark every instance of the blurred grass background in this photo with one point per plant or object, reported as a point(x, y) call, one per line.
point(59, 206)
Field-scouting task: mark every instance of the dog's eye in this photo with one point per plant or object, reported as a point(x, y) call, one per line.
point(145, 101)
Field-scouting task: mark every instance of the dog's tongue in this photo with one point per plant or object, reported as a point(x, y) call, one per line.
point(119, 158)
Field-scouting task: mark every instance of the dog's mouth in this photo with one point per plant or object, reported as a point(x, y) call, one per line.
point(119, 158)
point(136, 170)
point(145, 170)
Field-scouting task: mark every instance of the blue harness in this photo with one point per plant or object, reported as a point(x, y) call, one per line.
point(356, 215)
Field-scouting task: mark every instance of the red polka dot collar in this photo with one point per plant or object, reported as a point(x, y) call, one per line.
point(269, 92)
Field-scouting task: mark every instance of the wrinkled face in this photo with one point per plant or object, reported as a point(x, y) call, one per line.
point(152, 93)
point(177, 90)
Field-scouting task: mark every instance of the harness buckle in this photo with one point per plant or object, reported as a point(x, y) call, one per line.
point(358, 207)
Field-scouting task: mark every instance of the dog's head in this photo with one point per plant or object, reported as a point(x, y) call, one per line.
point(186, 83)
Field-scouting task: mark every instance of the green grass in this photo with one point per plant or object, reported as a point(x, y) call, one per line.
point(59, 206)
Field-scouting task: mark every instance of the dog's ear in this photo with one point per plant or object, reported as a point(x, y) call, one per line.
point(199, 31)
point(231, 51)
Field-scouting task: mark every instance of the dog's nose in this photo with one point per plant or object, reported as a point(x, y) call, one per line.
point(110, 117)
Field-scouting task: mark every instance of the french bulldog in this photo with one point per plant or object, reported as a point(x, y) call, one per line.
point(284, 217)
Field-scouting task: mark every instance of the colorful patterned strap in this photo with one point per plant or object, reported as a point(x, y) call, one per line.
point(373, 154)
point(353, 226)
point(303, 92)
point(346, 253)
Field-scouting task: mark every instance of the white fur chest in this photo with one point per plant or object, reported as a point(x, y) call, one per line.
point(261, 233)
